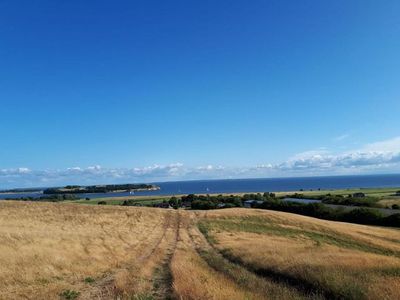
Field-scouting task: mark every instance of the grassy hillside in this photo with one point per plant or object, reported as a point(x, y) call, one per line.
point(330, 259)
point(69, 251)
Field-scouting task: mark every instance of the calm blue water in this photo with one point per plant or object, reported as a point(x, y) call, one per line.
point(254, 185)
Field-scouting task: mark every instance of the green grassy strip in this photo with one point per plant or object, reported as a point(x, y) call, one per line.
point(318, 284)
point(255, 226)
point(245, 278)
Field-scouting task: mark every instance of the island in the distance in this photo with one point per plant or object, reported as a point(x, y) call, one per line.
point(109, 188)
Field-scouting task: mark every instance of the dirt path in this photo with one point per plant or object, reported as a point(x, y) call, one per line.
point(194, 278)
point(176, 261)
point(146, 275)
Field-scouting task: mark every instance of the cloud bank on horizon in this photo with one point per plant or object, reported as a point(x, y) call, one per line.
point(378, 157)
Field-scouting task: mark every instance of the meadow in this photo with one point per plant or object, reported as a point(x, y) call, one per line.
point(75, 251)
point(385, 197)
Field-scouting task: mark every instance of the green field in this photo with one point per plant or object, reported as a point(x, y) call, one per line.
point(386, 196)
point(373, 192)
point(144, 200)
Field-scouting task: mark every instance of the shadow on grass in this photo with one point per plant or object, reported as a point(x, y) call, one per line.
point(310, 288)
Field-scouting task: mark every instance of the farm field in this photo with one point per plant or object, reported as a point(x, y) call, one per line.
point(71, 251)
point(385, 196)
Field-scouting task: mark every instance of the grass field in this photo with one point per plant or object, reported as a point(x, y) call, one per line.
point(386, 196)
point(144, 200)
point(70, 251)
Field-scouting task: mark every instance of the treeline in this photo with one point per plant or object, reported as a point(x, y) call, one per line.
point(340, 199)
point(49, 198)
point(21, 190)
point(360, 215)
point(76, 189)
point(223, 201)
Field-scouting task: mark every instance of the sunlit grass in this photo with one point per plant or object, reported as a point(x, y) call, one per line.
point(338, 260)
point(69, 251)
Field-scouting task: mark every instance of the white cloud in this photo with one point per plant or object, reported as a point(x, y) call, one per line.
point(342, 161)
point(383, 156)
point(310, 153)
point(206, 168)
point(341, 137)
point(390, 145)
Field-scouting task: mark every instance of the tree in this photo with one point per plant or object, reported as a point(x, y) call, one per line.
point(175, 202)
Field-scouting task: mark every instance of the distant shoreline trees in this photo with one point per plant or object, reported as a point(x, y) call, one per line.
point(47, 198)
point(362, 213)
point(76, 189)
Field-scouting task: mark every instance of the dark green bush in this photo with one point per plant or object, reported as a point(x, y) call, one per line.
point(364, 216)
point(392, 220)
point(69, 294)
point(89, 280)
point(201, 204)
point(340, 200)
point(321, 211)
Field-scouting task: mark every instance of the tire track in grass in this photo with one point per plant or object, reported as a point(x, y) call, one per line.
point(143, 285)
point(106, 288)
point(307, 288)
point(162, 277)
point(194, 278)
point(266, 288)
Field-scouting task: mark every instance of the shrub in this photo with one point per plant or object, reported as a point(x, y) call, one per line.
point(203, 204)
point(229, 205)
point(69, 294)
point(364, 216)
point(102, 203)
point(89, 280)
point(128, 203)
point(175, 202)
point(392, 220)
point(319, 210)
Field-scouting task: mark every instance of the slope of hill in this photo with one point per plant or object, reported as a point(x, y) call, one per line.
point(69, 251)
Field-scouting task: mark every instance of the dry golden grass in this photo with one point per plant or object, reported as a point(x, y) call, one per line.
point(389, 202)
point(355, 260)
point(48, 248)
point(194, 279)
point(256, 286)
point(200, 273)
point(111, 252)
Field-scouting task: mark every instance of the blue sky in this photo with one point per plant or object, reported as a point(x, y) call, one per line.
point(116, 91)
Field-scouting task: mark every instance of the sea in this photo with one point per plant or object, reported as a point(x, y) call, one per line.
point(250, 185)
